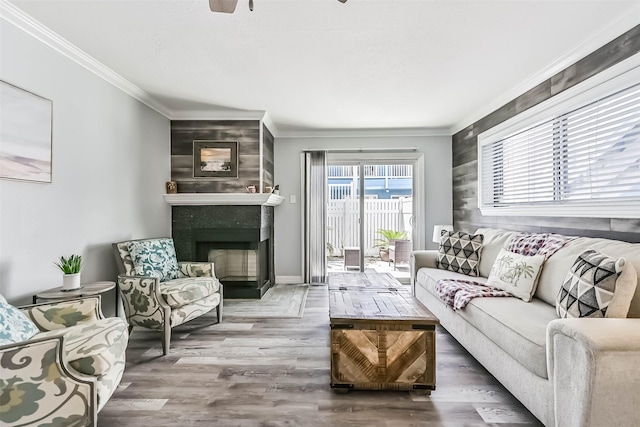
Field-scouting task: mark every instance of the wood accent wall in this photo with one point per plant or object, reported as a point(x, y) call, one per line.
point(267, 157)
point(246, 132)
point(467, 216)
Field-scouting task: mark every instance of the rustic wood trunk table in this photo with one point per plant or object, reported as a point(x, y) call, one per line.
point(382, 338)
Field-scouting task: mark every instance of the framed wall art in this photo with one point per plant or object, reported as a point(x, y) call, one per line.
point(25, 134)
point(218, 159)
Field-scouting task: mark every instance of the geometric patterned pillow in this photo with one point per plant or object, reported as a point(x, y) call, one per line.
point(460, 252)
point(154, 258)
point(589, 287)
point(14, 325)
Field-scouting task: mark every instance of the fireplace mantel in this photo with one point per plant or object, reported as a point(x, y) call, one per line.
point(213, 199)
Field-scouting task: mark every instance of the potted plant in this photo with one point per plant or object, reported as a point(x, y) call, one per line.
point(70, 266)
point(386, 237)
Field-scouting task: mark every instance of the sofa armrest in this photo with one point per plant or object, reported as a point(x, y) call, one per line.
point(41, 388)
point(197, 269)
point(420, 259)
point(142, 302)
point(592, 363)
point(49, 316)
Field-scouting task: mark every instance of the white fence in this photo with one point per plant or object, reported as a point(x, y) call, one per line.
point(343, 228)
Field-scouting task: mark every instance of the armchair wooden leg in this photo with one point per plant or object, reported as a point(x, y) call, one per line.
point(219, 308)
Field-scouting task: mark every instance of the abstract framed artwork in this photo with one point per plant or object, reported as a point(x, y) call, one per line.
point(217, 159)
point(25, 135)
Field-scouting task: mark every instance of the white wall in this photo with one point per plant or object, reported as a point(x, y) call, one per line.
point(288, 217)
point(111, 158)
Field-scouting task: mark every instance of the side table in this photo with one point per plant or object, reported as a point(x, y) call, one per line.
point(84, 290)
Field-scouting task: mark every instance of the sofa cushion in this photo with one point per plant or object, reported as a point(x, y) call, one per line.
point(14, 325)
point(517, 327)
point(557, 266)
point(494, 241)
point(516, 274)
point(596, 286)
point(179, 292)
point(460, 252)
point(154, 258)
point(93, 348)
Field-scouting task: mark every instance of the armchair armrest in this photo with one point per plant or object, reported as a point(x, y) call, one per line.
point(49, 316)
point(142, 302)
point(592, 364)
point(41, 388)
point(197, 269)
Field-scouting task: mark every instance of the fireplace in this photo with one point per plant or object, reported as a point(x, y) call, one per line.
point(237, 239)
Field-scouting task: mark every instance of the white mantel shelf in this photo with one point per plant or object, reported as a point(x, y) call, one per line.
point(212, 199)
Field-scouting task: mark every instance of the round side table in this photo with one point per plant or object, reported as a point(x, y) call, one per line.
point(84, 290)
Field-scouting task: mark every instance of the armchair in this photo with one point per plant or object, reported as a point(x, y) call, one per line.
point(399, 251)
point(158, 292)
point(65, 373)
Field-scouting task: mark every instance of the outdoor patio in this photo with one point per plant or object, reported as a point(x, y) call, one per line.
point(401, 272)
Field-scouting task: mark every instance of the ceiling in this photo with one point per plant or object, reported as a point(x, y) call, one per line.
point(324, 65)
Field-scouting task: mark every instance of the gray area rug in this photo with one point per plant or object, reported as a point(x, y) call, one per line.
point(278, 301)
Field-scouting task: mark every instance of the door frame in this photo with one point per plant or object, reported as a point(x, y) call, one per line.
point(361, 158)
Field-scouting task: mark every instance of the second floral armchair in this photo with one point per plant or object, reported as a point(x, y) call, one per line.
point(160, 293)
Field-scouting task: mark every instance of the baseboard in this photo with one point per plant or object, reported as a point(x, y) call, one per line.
point(288, 280)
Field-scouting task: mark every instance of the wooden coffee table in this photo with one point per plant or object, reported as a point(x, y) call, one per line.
point(382, 338)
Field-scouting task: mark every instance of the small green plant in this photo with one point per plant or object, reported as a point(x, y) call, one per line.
point(388, 236)
point(69, 265)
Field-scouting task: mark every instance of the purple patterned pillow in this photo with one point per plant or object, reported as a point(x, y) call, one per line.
point(527, 244)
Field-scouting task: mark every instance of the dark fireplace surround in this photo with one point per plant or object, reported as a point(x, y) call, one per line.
point(237, 238)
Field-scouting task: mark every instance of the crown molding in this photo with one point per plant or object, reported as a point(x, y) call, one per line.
point(217, 114)
point(358, 133)
point(19, 19)
point(588, 46)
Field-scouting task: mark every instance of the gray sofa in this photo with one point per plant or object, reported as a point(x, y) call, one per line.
point(567, 372)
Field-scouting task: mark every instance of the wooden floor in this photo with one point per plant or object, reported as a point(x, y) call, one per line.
point(275, 372)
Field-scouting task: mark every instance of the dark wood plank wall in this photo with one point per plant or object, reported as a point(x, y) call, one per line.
point(467, 216)
point(184, 132)
point(267, 157)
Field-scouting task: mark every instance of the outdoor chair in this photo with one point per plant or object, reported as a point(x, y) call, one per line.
point(399, 252)
point(160, 293)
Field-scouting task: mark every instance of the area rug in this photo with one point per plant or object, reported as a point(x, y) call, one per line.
point(279, 301)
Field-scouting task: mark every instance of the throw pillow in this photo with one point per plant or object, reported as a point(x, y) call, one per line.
point(154, 258)
point(597, 286)
point(460, 252)
point(516, 274)
point(14, 325)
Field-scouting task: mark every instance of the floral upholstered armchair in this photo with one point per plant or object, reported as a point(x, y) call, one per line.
point(160, 293)
point(60, 362)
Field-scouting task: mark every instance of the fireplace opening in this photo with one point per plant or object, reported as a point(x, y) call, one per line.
point(241, 267)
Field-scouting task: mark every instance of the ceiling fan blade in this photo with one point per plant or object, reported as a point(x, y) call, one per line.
point(224, 6)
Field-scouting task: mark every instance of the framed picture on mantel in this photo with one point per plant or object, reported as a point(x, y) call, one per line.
point(217, 159)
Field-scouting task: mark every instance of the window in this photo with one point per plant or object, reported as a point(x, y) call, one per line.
point(581, 157)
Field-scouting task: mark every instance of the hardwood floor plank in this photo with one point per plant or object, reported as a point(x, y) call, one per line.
point(259, 372)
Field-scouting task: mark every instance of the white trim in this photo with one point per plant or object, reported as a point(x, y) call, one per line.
point(358, 133)
point(588, 46)
point(218, 115)
point(289, 280)
point(30, 26)
point(213, 199)
point(618, 77)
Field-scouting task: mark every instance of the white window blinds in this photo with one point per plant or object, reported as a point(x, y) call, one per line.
point(581, 157)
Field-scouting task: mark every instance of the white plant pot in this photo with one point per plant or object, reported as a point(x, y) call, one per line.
point(70, 282)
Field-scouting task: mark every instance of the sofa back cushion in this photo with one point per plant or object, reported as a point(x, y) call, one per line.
point(558, 265)
point(494, 241)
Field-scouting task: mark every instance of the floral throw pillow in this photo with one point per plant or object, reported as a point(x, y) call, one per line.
point(14, 325)
point(516, 274)
point(460, 252)
point(154, 258)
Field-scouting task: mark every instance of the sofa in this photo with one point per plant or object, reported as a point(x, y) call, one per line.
point(60, 362)
point(565, 371)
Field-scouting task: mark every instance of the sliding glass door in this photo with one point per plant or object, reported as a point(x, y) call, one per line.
point(370, 215)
